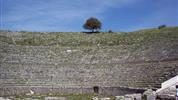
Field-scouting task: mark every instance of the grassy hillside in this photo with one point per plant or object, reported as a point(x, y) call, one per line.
point(102, 39)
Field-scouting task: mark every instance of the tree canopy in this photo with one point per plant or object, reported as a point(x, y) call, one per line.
point(92, 24)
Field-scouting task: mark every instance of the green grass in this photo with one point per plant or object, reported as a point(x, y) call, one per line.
point(5, 39)
point(78, 39)
point(136, 38)
point(68, 96)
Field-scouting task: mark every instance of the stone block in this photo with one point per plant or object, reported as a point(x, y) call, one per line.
point(104, 99)
point(119, 98)
point(30, 99)
point(128, 98)
point(55, 98)
point(2, 98)
point(134, 96)
point(150, 94)
point(95, 98)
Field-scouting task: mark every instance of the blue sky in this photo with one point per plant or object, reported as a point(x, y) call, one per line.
point(70, 15)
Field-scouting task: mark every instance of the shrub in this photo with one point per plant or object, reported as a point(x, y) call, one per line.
point(110, 31)
point(161, 26)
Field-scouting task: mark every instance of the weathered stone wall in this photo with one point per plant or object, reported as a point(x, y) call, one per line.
point(22, 90)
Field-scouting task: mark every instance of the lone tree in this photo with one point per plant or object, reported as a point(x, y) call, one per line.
point(92, 24)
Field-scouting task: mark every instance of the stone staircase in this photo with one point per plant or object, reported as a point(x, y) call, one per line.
point(168, 75)
point(133, 75)
point(61, 68)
